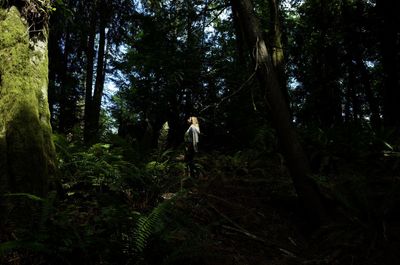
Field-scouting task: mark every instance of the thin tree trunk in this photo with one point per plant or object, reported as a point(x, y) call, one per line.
point(358, 71)
point(371, 98)
point(291, 146)
point(64, 117)
point(89, 74)
point(175, 129)
point(239, 36)
point(353, 89)
point(390, 60)
point(99, 85)
point(347, 102)
point(92, 119)
point(54, 58)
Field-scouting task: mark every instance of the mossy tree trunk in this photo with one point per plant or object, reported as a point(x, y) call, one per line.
point(27, 153)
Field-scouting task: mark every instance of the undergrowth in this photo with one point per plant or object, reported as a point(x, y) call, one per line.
point(117, 207)
point(108, 209)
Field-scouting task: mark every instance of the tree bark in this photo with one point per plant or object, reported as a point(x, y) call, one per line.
point(94, 122)
point(389, 36)
point(295, 156)
point(89, 75)
point(27, 155)
point(27, 152)
point(278, 57)
point(371, 98)
point(359, 76)
point(93, 100)
point(64, 117)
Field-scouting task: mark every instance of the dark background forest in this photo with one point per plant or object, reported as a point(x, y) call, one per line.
point(299, 155)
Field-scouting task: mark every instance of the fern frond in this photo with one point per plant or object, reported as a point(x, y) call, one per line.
point(147, 226)
point(26, 195)
point(8, 246)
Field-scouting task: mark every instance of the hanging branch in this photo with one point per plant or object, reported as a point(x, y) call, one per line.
point(216, 105)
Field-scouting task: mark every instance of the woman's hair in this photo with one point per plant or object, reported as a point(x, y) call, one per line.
point(195, 122)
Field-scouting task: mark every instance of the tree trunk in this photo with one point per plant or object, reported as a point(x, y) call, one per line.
point(371, 98)
point(359, 75)
point(291, 147)
point(89, 75)
point(27, 156)
point(54, 58)
point(93, 101)
point(239, 31)
point(65, 103)
point(278, 58)
point(387, 9)
point(94, 122)
point(353, 88)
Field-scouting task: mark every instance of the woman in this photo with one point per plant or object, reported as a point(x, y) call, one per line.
point(191, 141)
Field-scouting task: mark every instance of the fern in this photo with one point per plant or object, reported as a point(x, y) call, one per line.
point(9, 246)
point(28, 238)
point(147, 226)
point(26, 195)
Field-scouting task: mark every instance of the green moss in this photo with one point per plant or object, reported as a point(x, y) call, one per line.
point(27, 160)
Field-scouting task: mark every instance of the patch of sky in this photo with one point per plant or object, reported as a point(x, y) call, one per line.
point(291, 5)
point(293, 83)
point(222, 16)
point(370, 64)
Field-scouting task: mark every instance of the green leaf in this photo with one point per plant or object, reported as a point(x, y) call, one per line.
point(26, 195)
point(388, 145)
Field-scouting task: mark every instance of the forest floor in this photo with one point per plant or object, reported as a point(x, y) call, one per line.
point(252, 216)
point(247, 219)
point(244, 225)
point(241, 209)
